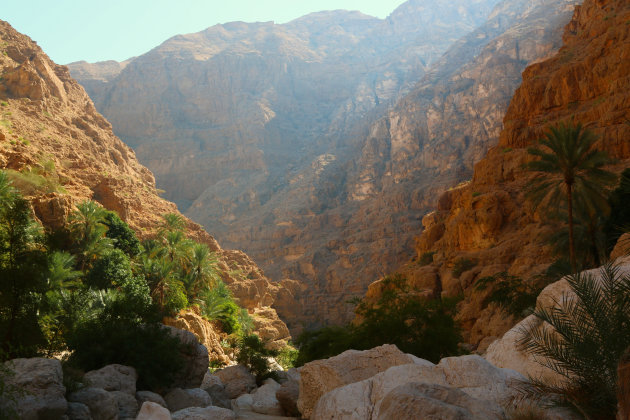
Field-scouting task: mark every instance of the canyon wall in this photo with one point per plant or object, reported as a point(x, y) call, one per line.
point(49, 126)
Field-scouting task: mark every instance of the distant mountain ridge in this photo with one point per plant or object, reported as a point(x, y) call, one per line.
point(280, 138)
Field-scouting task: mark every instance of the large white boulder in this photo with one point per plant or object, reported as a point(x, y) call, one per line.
point(265, 401)
point(195, 356)
point(42, 392)
point(321, 376)
point(471, 374)
point(430, 401)
point(113, 378)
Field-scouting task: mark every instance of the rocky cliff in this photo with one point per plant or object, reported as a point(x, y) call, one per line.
point(272, 136)
point(51, 133)
point(489, 220)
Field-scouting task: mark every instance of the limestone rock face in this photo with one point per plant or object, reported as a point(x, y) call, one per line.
point(489, 220)
point(320, 376)
point(47, 118)
point(41, 381)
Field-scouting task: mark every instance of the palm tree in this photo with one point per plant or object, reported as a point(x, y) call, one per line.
point(200, 270)
point(570, 167)
point(87, 226)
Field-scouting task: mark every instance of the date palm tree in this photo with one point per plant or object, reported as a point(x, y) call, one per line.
point(569, 166)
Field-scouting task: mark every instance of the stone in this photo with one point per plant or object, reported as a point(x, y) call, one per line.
point(127, 404)
point(113, 378)
point(102, 404)
point(195, 357)
point(207, 413)
point(209, 380)
point(41, 383)
point(237, 380)
point(265, 401)
point(471, 374)
point(219, 396)
point(429, 401)
point(243, 402)
point(142, 396)
point(153, 411)
point(623, 384)
point(78, 411)
point(321, 376)
point(287, 395)
point(178, 398)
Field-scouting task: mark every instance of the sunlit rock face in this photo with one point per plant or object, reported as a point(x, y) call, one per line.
point(318, 145)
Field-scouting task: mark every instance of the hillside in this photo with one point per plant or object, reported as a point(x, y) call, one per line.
point(489, 220)
point(67, 152)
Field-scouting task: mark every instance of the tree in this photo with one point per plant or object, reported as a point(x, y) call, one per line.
point(123, 237)
point(87, 228)
point(570, 167)
point(590, 330)
point(200, 270)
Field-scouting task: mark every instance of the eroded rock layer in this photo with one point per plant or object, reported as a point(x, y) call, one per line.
point(49, 127)
point(489, 220)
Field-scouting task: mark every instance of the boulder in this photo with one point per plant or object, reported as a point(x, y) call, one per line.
point(113, 378)
point(321, 376)
point(40, 388)
point(142, 396)
point(209, 380)
point(430, 401)
point(471, 374)
point(195, 356)
point(178, 398)
point(153, 411)
point(207, 413)
point(243, 403)
point(127, 404)
point(237, 380)
point(287, 396)
point(102, 404)
point(219, 396)
point(265, 401)
point(78, 411)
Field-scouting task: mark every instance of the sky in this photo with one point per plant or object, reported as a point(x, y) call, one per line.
point(90, 30)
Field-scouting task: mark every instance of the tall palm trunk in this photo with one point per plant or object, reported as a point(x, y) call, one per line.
point(571, 242)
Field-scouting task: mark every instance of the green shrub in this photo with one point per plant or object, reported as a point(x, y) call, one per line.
point(588, 337)
point(253, 354)
point(426, 258)
point(122, 235)
point(110, 270)
point(287, 357)
point(461, 265)
point(217, 304)
point(323, 343)
point(510, 293)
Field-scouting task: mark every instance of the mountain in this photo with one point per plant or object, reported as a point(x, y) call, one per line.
point(489, 220)
point(317, 146)
point(67, 153)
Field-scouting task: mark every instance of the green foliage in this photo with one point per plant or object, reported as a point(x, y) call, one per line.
point(287, 357)
point(253, 354)
point(110, 270)
point(426, 258)
point(123, 237)
point(87, 229)
point(217, 304)
point(417, 325)
point(619, 220)
point(461, 265)
point(589, 333)
point(570, 171)
point(510, 293)
point(37, 179)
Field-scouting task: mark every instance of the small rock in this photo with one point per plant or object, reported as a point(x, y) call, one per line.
point(78, 411)
point(102, 404)
point(179, 399)
point(208, 413)
point(127, 404)
point(237, 380)
point(113, 378)
point(153, 411)
point(142, 396)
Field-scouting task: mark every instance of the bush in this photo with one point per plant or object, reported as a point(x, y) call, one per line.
point(510, 293)
point(110, 270)
point(253, 354)
point(323, 343)
point(122, 235)
point(461, 265)
point(217, 304)
point(590, 334)
point(426, 258)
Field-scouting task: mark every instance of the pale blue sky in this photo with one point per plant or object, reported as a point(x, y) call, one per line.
point(72, 30)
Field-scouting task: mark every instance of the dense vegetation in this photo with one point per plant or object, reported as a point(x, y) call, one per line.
point(94, 289)
point(415, 324)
